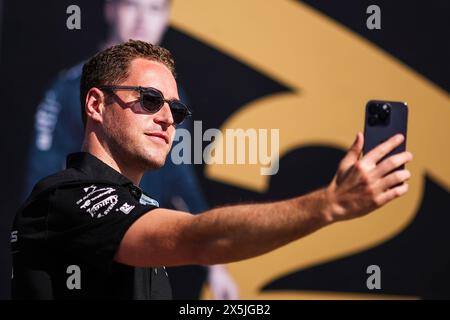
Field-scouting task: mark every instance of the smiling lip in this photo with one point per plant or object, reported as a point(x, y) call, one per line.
point(163, 136)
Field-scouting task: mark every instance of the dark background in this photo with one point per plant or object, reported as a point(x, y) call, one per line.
point(36, 45)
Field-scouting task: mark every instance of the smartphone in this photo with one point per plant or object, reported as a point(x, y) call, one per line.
point(383, 119)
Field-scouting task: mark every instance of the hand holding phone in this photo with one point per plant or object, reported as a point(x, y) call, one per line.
point(384, 119)
point(365, 183)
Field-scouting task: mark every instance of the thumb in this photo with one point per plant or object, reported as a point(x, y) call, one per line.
point(353, 153)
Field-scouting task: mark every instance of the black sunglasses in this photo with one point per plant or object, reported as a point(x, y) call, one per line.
point(152, 100)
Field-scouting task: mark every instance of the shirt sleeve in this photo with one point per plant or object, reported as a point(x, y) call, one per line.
point(87, 223)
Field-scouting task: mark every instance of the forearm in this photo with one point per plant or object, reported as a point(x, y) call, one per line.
point(238, 232)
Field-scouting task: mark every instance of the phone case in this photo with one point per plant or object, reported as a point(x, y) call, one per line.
point(380, 125)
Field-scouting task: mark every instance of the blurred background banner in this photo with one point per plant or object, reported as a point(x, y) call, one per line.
point(306, 68)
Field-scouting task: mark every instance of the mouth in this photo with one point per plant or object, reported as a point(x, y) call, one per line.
point(159, 136)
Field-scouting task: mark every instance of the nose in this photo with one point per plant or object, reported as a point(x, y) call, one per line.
point(164, 115)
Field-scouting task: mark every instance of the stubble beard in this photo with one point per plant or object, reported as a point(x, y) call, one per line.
point(133, 154)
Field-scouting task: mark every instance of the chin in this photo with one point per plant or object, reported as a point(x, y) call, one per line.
point(151, 156)
point(153, 165)
point(154, 162)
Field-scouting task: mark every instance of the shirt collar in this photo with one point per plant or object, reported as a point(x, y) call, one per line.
point(95, 168)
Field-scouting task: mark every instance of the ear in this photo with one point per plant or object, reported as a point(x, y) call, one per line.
point(94, 106)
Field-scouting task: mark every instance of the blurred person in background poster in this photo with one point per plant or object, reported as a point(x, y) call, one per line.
point(58, 131)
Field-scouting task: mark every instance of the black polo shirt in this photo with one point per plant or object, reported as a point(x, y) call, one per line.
point(67, 232)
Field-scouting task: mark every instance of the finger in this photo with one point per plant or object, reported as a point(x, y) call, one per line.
point(394, 179)
point(377, 153)
point(353, 153)
point(392, 194)
point(391, 163)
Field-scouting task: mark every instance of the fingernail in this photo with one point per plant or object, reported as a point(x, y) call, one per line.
point(399, 137)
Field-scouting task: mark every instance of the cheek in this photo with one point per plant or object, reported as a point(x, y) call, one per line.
point(172, 132)
point(115, 121)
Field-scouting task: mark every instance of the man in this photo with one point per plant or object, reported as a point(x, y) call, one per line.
point(94, 219)
point(59, 131)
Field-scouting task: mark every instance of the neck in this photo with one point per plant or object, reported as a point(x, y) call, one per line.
point(92, 145)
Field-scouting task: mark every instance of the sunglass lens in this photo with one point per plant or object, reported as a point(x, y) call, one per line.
point(179, 111)
point(152, 101)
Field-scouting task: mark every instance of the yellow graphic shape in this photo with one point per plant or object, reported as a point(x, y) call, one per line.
point(333, 72)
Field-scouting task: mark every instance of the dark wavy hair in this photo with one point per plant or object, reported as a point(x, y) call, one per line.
point(110, 66)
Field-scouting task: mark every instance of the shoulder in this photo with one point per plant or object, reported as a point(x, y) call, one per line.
point(64, 177)
point(94, 199)
point(32, 217)
point(44, 189)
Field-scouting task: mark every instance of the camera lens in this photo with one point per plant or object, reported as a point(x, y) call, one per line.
point(373, 108)
point(372, 120)
point(385, 112)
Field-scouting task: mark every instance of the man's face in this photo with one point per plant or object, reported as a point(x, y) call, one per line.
point(144, 20)
point(133, 134)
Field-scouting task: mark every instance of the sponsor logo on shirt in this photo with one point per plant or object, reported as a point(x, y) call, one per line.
point(126, 208)
point(98, 202)
point(14, 237)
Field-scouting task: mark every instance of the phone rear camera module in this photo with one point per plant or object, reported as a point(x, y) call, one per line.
point(373, 108)
point(384, 112)
point(373, 120)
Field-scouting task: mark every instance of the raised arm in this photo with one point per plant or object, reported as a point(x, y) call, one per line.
point(232, 233)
